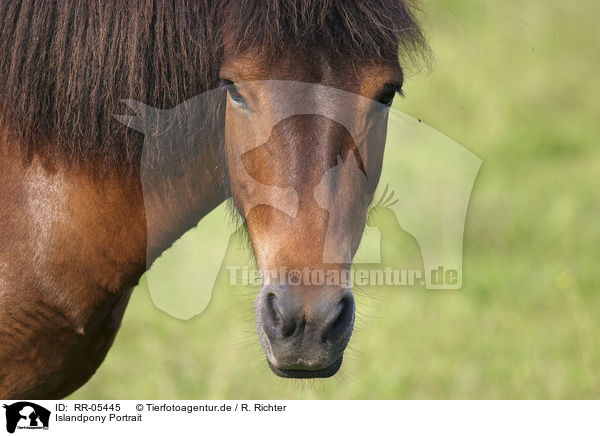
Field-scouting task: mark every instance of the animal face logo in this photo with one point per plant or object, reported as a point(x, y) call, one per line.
point(26, 415)
point(426, 181)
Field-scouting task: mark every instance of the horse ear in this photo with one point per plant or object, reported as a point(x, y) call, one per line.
point(139, 121)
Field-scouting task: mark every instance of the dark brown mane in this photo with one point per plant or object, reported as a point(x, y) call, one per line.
point(353, 28)
point(65, 65)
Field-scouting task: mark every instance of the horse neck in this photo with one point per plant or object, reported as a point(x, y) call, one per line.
point(81, 237)
point(175, 199)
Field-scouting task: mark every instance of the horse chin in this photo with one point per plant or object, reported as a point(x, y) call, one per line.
point(308, 373)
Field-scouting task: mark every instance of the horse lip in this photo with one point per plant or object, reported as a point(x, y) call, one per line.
point(308, 373)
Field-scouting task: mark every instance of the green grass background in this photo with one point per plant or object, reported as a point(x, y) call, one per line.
point(516, 83)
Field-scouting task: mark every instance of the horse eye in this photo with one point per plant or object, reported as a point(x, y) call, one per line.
point(235, 95)
point(233, 92)
point(387, 98)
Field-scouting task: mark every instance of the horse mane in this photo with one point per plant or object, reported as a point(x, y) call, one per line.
point(353, 28)
point(67, 65)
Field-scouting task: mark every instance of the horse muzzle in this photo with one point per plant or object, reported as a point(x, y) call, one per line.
point(304, 331)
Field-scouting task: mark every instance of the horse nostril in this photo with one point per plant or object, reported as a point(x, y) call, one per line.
point(342, 320)
point(283, 322)
point(326, 319)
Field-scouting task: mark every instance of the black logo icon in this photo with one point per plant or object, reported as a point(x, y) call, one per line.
point(26, 415)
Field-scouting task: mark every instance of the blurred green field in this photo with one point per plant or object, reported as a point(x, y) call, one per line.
point(516, 83)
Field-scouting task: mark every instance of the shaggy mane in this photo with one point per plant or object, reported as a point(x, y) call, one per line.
point(66, 65)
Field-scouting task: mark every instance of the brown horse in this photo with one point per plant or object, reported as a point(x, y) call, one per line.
point(73, 216)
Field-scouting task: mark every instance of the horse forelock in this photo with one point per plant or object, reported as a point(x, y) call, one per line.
point(353, 28)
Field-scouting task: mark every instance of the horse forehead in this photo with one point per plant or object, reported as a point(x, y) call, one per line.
point(310, 68)
point(358, 76)
point(287, 99)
